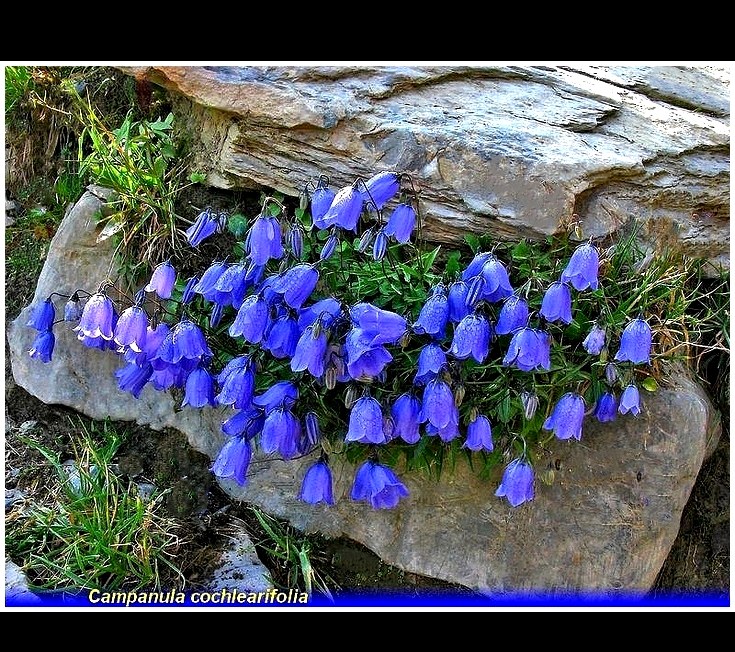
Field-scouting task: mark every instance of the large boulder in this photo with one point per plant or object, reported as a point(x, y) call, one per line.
point(508, 150)
point(606, 524)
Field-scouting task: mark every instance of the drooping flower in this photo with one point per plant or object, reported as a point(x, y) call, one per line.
point(43, 346)
point(204, 226)
point(438, 406)
point(557, 303)
point(97, 318)
point(497, 284)
point(133, 378)
point(635, 343)
point(595, 340)
point(479, 434)
point(184, 341)
point(199, 389)
point(630, 401)
point(513, 315)
point(406, 415)
point(206, 285)
point(188, 294)
point(606, 408)
point(281, 433)
point(382, 187)
point(326, 310)
point(233, 459)
point(378, 485)
point(283, 393)
point(380, 246)
point(434, 315)
point(566, 417)
point(457, 299)
point(529, 350)
point(517, 483)
point(366, 422)
point(431, 361)
point(310, 353)
point(247, 422)
point(316, 486)
point(345, 209)
point(297, 284)
point(281, 337)
point(475, 267)
point(229, 289)
point(445, 433)
point(265, 240)
point(162, 280)
point(296, 241)
point(380, 326)
point(72, 309)
point(582, 268)
point(311, 431)
point(43, 315)
point(364, 359)
point(401, 223)
point(472, 338)
point(132, 328)
point(251, 319)
point(236, 382)
point(321, 200)
point(329, 247)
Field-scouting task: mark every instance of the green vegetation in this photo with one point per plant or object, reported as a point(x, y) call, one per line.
point(92, 530)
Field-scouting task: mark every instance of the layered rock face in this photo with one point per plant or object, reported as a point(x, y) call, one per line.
point(506, 150)
point(605, 525)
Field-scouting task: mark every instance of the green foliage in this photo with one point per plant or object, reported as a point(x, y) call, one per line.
point(292, 554)
point(94, 531)
point(18, 86)
point(140, 162)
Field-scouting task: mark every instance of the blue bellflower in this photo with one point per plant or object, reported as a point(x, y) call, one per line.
point(310, 353)
point(132, 328)
point(281, 433)
point(476, 264)
point(281, 337)
point(321, 200)
point(297, 284)
point(635, 343)
point(566, 417)
point(438, 406)
point(229, 289)
point(630, 401)
point(233, 460)
point(345, 209)
point(162, 280)
point(283, 393)
point(251, 319)
point(248, 422)
point(382, 187)
point(595, 340)
point(497, 284)
point(366, 422)
point(377, 485)
point(205, 285)
point(406, 415)
point(513, 315)
point(479, 435)
point(457, 299)
point(381, 326)
point(517, 482)
point(582, 268)
point(265, 240)
point(72, 309)
point(199, 389)
point(97, 318)
point(401, 223)
point(237, 383)
point(204, 226)
point(472, 338)
point(316, 486)
point(606, 407)
point(434, 315)
point(445, 433)
point(43, 346)
point(133, 378)
point(431, 361)
point(188, 293)
point(529, 350)
point(43, 315)
point(557, 303)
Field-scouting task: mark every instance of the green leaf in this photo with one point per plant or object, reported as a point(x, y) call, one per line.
point(197, 177)
point(650, 384)
point(473, 242)
point(453, 266)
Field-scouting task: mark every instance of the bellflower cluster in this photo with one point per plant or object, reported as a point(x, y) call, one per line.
point(287, 348)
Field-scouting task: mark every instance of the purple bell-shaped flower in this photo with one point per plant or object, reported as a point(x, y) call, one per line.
point(566, 417)
point(517, 483)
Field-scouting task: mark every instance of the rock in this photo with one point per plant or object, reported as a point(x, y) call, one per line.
point(507, 150)
point(606, 524)
point(239, 568)
point(17, 593)
point(12, 496)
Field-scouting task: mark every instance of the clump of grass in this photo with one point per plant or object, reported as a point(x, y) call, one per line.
point(291, 554)
point(93, 530)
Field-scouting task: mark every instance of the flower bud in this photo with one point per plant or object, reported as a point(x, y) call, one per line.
point(530, 403)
